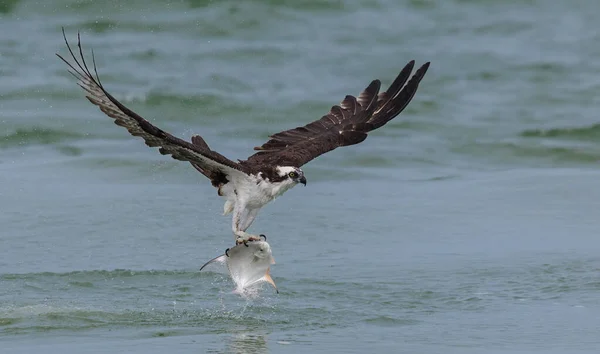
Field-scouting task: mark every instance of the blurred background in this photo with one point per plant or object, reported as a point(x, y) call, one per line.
point(467, 224)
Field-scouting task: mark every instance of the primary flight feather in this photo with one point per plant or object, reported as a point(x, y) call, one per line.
point(248, 185)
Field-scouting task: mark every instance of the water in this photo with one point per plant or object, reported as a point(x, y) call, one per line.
point(467, 225)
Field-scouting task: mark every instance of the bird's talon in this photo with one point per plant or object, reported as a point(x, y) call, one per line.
point(263, 236)
point(245, 240)
point(227, 252)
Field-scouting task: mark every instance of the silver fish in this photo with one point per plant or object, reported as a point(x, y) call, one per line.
point(248, 264)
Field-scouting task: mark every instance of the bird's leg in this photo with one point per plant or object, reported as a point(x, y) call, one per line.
point(242, 219)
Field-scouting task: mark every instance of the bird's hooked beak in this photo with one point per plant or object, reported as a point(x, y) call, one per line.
point(302, 180)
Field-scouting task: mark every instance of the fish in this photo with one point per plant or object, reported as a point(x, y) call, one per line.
point(248, 264)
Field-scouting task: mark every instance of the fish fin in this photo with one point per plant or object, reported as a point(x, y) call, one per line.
point(270, 280)
point(221, 258)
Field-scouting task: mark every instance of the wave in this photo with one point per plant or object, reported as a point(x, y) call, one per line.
point(97, 299)
point(7, 6)
point(541, 154)
point(189, 107)
point(588, 133)
point(306, 5)
point(126, 298)
point(46, 317)
point(37, 136)
point(115, 273)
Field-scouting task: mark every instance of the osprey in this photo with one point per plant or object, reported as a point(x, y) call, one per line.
point(248, 185)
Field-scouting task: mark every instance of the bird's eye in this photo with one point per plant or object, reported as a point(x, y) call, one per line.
point(293, 174)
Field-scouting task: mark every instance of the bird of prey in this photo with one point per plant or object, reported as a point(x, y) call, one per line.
point(248, 185)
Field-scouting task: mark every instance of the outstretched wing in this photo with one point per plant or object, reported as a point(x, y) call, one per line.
point(217, 176)
point(346, 124)
point(198, 154)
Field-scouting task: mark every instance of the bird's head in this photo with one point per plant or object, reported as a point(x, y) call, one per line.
point(291, 175)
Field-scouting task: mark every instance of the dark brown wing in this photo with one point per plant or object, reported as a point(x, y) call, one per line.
point(199, 155)
point(217, 177)
point(345, 124)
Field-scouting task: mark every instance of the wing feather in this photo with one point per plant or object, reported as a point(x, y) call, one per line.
point(346, 124)
point(199, 154)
